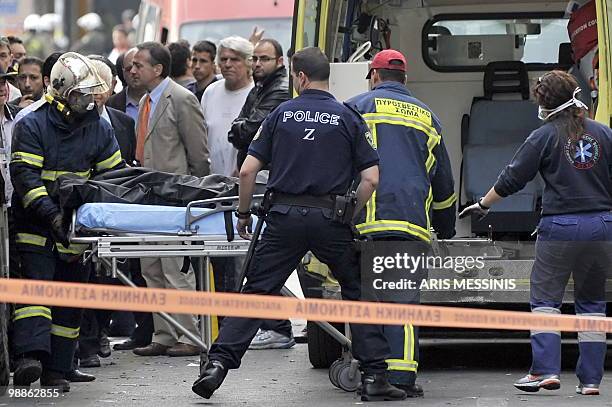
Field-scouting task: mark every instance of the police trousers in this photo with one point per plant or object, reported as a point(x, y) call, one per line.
point(49, 332)
point(292, 231)
point(577, 245)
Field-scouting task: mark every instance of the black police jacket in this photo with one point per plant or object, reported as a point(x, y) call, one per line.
point(261, 100)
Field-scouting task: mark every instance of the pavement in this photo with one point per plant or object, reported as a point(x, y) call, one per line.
point(466, 375)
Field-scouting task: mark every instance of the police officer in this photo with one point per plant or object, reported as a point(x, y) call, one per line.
point(574, 156)
point(315, 147)
point(416, 191)
point(63, 135)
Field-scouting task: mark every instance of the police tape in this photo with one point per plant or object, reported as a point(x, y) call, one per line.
point(100, 296)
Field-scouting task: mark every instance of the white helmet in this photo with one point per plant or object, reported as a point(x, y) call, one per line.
point(31, 22)
point(72, 72)
point(49, 22)
point(89, 21)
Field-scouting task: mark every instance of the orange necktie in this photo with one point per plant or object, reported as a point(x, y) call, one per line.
point(143, 129)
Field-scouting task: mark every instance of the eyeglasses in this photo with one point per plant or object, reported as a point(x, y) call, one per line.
point(262, 59)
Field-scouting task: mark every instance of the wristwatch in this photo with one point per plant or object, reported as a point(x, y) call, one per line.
point(242, 215)
point(486, 208)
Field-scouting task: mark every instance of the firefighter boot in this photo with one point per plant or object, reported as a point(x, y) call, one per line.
point(210, 379)
point(27, 371)
point(376, 387)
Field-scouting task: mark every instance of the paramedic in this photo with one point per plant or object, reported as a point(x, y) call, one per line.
point(407, 136)
point(63, 135)
point(304, 192)
point(574, 156)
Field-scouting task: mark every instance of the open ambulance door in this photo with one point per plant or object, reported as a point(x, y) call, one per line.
point(604, 34)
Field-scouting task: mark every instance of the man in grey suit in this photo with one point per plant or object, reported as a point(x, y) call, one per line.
point(171, 137)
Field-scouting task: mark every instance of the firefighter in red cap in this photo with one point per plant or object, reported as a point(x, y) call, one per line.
point(416, 192)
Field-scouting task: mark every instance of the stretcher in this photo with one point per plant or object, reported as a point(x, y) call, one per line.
point(202, 230)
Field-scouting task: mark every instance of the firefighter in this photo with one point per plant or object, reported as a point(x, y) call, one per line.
point(63, 135)
point(416, 191)
point(573, 155)
point(301, 218)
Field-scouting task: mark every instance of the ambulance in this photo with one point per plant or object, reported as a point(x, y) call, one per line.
point(475, 64)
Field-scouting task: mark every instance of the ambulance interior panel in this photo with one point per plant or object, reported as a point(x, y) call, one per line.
point(450, 91)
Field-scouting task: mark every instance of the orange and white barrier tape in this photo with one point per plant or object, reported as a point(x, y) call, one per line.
point(273, 307)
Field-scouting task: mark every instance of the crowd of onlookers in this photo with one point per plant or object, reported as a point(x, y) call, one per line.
point(179, 108)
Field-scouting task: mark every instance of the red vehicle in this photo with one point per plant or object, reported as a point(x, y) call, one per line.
point(194, 20)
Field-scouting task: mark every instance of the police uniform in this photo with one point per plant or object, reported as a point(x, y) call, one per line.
point(574, 236)
point(46, 146)
point(415, 192)
point(315, 147)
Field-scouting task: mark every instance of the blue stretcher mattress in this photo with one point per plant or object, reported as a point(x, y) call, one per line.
point(147, 219)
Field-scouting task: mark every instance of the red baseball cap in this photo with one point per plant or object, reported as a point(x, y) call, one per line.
point(388, 59)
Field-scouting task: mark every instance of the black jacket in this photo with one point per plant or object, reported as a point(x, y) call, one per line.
point(44, 147)
point(125, 133)
point(118, 100)
point(262, 99)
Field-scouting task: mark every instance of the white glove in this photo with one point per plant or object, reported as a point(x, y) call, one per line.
point(477, 209)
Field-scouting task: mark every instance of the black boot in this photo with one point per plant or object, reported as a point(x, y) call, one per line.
point(27, 371)
point(77, 376)
point(412, 390)
point(210, 379)
point(105, 350)
point(376, 387)
point(51, 378)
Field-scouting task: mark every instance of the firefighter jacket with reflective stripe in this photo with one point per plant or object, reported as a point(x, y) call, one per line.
point(46, 146)
point(416, 188)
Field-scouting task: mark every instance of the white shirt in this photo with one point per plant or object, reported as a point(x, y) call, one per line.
point(6, 131)
point(105, 115)
point(221, 107)
point(14, 93)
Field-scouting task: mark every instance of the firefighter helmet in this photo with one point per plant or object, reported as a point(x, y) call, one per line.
point(72, 72)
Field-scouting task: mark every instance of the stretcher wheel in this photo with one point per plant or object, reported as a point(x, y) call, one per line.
point(349, 376)
point(333, 372)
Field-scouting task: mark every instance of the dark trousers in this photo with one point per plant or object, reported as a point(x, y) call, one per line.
point(143, 333)
point(290, 233)
point(52, 332)
point(577, 245)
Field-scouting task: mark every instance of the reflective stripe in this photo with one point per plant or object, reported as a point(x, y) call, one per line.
point(546, 310)
point(49, 175)
point(110, 162)
point(407, 363)
point(394, 225)
point(428, 202)
point(34, 194)
point(447, 203)
point(433, 138)
point(28, 238)
point(32, 311)
point(64, 331)
point(371, 204)
point(28, 158)
point(592, 337)
point(72, 249)
point(402, 365)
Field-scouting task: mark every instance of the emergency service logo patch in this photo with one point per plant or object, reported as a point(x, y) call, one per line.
point(583, 154)
point(368, 136)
